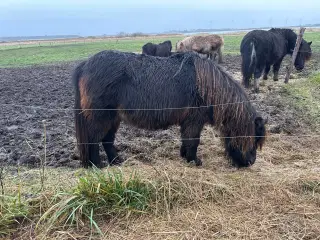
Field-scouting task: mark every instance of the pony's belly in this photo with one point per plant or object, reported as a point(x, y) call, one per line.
point(148, 120)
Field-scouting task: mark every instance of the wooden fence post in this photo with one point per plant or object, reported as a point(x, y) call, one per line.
point(294, 55)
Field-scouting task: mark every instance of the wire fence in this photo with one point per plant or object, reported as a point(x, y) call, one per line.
point(4, 45)
point(158, 109)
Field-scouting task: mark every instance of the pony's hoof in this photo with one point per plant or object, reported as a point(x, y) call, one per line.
point(183, 152)
point(265, 77)
point(116, 161)
point(198, 162)
point(276, 79)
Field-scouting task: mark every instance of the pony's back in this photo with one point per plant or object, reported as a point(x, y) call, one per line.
point(135, 81)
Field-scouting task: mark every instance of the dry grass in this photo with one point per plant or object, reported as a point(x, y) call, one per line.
point(267, 201)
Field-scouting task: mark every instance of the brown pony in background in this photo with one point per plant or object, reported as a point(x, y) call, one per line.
point(211, 45)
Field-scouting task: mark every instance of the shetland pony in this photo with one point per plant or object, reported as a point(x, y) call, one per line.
point(260, 49)
point(154, 93)
point(211, 45)
point(161, 50)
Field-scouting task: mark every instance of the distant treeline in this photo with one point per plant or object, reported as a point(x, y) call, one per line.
point(231, 29)
point(24, 38)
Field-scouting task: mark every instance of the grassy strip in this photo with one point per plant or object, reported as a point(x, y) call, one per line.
point(27, 56)
point(304, 95)
point(100, 195)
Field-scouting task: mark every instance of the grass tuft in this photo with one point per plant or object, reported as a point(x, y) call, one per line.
point(98, 194)
point(12, 214)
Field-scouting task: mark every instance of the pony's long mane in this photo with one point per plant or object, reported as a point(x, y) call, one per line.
point(233, 113)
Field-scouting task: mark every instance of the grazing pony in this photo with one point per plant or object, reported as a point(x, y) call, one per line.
point(155, 93)
point(211, 45)
point(161, 50)
point(260, 49)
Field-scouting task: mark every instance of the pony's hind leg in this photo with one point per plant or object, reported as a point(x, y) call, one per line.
point(266, 72)
point(108, 145)
point(257, 74)
point(190, 134)
point(94, 135)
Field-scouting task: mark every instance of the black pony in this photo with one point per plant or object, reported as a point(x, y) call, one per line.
point(260, 49)
point(161, 50)
point(155, 93)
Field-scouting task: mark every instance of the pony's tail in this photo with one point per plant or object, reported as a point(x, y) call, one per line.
point(80, 121)
point(249, 57)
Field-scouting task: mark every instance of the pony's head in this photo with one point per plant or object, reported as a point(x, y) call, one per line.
point(244, 155)
point(168, 43)
point(180, 47)
point(304, 55)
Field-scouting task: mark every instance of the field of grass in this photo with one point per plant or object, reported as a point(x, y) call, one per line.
point(11, 56)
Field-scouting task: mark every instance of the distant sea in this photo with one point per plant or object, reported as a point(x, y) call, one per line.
point(234, 31)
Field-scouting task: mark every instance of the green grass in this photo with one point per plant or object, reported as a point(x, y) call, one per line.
point(97, 195)
point(304, 95)
point(14, 56)
point(12, 212)
point(31, 55)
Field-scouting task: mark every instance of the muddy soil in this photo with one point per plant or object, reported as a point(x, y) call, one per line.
point(39, 99)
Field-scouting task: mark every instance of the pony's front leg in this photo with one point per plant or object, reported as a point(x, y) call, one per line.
point(220, 56)
point(190, 136)
point(94, 155)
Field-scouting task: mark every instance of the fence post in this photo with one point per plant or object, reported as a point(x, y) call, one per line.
point(294, 55)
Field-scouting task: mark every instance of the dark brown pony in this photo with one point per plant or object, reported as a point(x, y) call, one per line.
point(161, 50)
point(155, 93)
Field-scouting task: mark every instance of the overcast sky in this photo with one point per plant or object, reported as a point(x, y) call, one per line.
point(221, 4)
point(97, 17)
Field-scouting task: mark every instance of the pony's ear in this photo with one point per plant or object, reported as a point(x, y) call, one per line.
point(310, 43)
